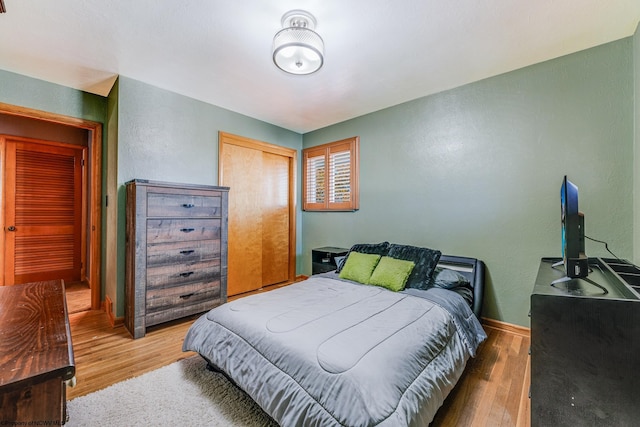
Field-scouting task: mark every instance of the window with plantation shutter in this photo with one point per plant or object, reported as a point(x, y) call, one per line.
point(330, 174)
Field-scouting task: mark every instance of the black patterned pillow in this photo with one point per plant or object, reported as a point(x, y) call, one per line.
point(425, 259)
point(367, 248)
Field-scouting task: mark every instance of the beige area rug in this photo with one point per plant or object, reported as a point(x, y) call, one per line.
point(184, 393)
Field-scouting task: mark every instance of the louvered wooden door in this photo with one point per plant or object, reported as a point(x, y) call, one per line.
point(42, 211)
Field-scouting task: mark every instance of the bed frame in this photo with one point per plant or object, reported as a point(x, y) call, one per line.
point(203, 329)
point(472, 269)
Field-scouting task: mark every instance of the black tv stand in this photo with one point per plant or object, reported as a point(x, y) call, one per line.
point(585, 347)
point(576, 289)
point(568, 280)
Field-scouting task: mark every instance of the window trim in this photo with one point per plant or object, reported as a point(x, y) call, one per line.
point(352, 145)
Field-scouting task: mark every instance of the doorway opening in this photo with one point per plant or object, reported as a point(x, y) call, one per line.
point(84, 290)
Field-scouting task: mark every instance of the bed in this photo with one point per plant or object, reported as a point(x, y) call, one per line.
point(331, 351)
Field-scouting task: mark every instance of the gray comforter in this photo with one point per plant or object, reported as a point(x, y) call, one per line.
point(325, 352)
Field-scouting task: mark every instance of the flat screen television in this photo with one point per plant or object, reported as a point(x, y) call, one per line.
point(572, 222)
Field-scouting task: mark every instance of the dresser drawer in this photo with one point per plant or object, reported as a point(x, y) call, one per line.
point(182, 205)
point(173, 275)
point(182, 252)
point(178, 230)
point(172, 303)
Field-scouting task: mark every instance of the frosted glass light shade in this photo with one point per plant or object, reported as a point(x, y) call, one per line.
point(298, 50)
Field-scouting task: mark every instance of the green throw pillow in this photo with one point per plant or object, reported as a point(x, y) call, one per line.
point(358, 267)
point(391, 273)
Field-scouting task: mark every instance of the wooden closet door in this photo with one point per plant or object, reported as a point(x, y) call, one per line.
point(243, 174)
point(42, 211)
point(261, 178)
point(275, 219)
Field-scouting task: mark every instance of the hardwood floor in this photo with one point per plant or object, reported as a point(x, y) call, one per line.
point(78, 296)
point(106, 355)
point(493, 390)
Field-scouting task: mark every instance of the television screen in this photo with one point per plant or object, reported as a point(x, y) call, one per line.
point(572, 223)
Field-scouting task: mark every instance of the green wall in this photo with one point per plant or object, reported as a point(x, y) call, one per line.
point(476, 170)
point(27, 92)
point(110, 192)
point(149, 133)
point(164, 136)
point(472, 171)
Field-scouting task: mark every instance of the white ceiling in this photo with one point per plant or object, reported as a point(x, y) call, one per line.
point(378, 53)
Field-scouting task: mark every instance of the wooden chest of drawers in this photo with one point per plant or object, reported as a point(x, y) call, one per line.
point(176, 252)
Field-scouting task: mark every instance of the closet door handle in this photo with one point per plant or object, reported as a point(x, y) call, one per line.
point(11, 228)
point(187, 230)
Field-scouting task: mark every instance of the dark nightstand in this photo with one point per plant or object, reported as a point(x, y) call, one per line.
point(323, 259)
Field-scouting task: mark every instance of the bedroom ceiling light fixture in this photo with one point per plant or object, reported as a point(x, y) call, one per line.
point(297, 48)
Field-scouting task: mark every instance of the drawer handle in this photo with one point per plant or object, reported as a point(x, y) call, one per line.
point(190, 251)
point(187, 230)
point(186, 274)
point(187, 296)
point(188, 205)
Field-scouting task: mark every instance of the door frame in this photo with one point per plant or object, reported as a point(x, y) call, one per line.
point(230, 139)
point(94, 188)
